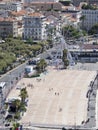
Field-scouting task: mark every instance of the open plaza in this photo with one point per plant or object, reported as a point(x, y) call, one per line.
point(57, 97)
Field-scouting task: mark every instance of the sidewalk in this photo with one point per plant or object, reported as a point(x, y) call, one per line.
point(97, 110)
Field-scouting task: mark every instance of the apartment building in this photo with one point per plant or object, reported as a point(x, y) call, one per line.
point(71, 16)
point(14, 6)
point(77, 2)
point(34, 26)
point(91, 18)
point(8, 26)
point(48, 6)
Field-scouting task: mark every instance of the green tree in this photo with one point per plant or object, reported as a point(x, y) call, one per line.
point(66, 63)
point(16, 104)
point(17, 116)
point(82, 19)
point(22, 107)
point(23, 94)
point(41, 65)
point(71, 32)
point(30, 41)
point(64, 58)
point(94, 29)
point(15, 125)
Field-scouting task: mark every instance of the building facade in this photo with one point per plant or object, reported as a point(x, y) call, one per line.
point(77, 2)
point(8, 27)
point(17, 6)
point(44, 6)
point(34, 27)
point(91, 18)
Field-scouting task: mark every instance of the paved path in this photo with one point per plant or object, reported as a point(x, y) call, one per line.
point(97, 110)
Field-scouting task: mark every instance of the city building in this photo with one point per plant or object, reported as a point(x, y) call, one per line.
point(14, 6)
point(77, 2)
point(19, 17)
point(4, 13)
point(85, 53)
point(44, 6)
point(53, 21)
point(8, 27)
point(90, 18)
point(34, 26)
point(71, 16)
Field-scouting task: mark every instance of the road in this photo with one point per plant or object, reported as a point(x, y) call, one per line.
point(11, 79)
point(65, 46)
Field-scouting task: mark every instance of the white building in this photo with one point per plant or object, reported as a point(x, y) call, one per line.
point(77, 2)
point(34, 26)
point(91, 18)
point(71, 17)
point(17, 6)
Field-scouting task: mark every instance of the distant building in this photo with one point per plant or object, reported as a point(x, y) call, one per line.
point(85, 53)
point(29, 1)
point(90, 18)
point(16, 6)
point(77, 2)
point(8, 27)
point(34, 26)
point(71, 15)
point(4, 13)
point(44, 6)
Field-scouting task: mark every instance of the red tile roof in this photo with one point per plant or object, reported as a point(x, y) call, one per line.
point(90, 46)
point(7, 19)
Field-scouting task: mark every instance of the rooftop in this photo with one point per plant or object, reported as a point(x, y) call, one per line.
point(7, 19)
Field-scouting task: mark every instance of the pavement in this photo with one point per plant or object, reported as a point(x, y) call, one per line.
point(58, 97)
point(97, 110)
point(85, 66)
point(93, 97)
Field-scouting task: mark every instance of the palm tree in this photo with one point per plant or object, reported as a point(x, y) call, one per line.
point(16, 104)
point(64, 58)
point(23, 107)
point(15, 125)
point(82, 18)
point(41, 65)
point(66, 63)
point(23, 94)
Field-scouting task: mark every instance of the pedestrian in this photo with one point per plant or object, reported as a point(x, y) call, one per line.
point(87, 120)
point(60, 109)
point(32, 86)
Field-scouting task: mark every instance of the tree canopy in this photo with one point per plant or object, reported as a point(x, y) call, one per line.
point(89, 6)
point(64, 58)
point(94, 29)
point(71, 32)
point(13, 49)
